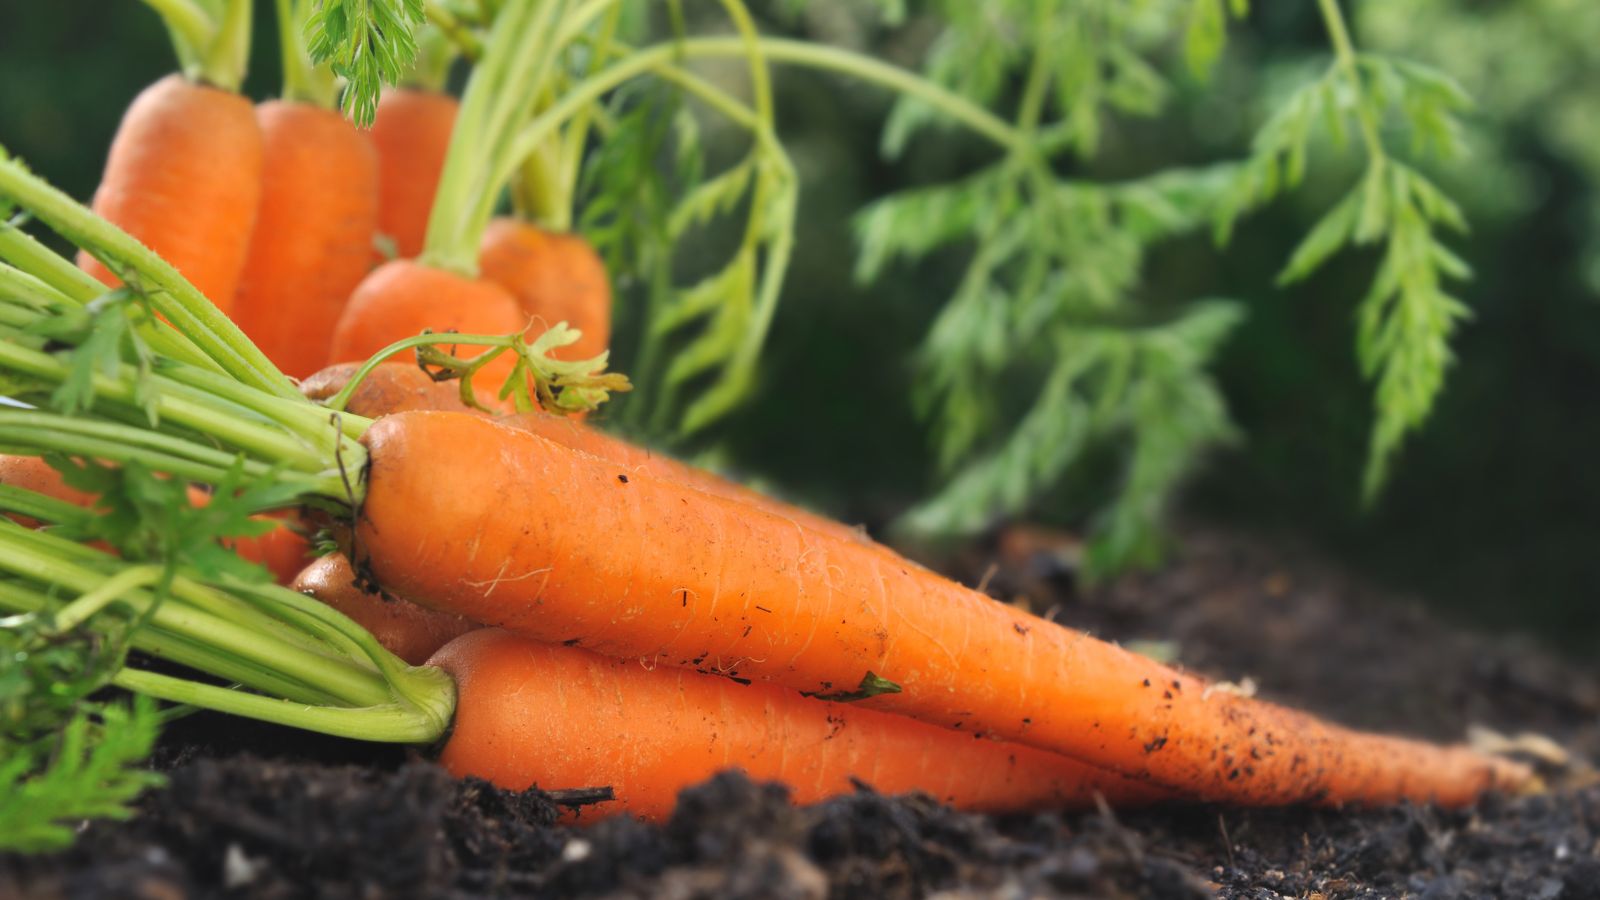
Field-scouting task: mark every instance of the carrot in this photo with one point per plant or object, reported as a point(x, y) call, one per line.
point(386, 390)
point(282, 551)
point(184, 177)
point(563, 546)
point(411, 134)
point(313, 239)
point(407, 630)
point(555, 278)
point(576, 435)
point(528, 712)
point(401, 299)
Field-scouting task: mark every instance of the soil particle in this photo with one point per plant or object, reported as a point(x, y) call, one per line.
point(256, 811)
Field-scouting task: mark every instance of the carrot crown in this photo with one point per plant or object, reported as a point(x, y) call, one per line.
point(211, 38)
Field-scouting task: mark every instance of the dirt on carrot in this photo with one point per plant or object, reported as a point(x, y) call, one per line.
point(319, 816)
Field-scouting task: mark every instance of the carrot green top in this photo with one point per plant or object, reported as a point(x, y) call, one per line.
point(211, 37)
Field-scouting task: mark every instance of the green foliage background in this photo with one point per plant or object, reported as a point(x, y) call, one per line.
point(1492, 509)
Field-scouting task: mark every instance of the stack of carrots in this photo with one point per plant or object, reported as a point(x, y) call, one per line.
point(611, 616)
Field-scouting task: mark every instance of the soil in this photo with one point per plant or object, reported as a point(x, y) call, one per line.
point(255, 811)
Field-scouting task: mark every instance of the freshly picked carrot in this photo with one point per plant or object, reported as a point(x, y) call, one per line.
point(184, 172)
point(312, 243)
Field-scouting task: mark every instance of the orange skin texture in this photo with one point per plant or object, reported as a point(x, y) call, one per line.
point(283, 551)
point(313, 238)
point(184, 177)
point(407, 630)
point(578, 436)
point(554, 545)
point(411, 134)
point(402, 298)
point(555, 278)
point(386, 390)
point(561, 717)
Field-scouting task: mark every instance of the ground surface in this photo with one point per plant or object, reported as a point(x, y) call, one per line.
point(259, 812)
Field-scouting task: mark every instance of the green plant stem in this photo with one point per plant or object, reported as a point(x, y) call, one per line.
point(577, 133)
point(387, 723)
point(105, 593)
point(1345, 51)
point(28, 431)
point(776, 50)
point(192, 30)
point(223, 64)
point(337, 677)
point(458, 34)
point(184, 651)
point(171, 295)
point(17, 285)
point(179, 404)
point(303, 81)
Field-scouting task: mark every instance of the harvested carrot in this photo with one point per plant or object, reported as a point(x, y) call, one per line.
point(386, 390)
point(411, 134)
point(555, 278)
point(184, 177)
point(313, 239)
point(528, 712)
point(33, 474)
point(563, 546)
point(401, 299)
point(407, 630)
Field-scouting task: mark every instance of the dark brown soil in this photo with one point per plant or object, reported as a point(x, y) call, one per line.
point(254, 811)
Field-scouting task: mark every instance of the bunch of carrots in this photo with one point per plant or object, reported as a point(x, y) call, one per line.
point(544, 602)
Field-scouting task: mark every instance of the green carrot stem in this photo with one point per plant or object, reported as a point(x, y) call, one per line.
point(338, 677)
point(105, 593)
point(303, 80)
point(180, 404)
point(223, 63)
point(390, 722)
point(155, 641)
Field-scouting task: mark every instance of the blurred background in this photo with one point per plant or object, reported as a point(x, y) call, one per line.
point(1492, 513)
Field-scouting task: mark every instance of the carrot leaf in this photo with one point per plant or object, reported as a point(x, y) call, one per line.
point(65, 757)
point(872, 685)
point(369, 42)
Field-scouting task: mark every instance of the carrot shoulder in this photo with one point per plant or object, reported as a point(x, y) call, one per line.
point(563, 546)
point(563, 717)
point(184, 177)
point(313, 238)
point(555, 278)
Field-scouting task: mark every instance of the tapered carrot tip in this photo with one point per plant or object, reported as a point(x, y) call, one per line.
point(404, 629)
point(555, 278)
point(184, 177)
point(558, 717)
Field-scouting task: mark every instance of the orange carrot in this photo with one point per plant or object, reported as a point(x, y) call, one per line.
point(313, 238)
point(563, 546)
point(386, 390)
point(563, 717)
point(555, 278)
point(576, 435)
point(401, 299)
point(184, 177)
point(282, 551)
point(407, 630)
point(411, 134)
